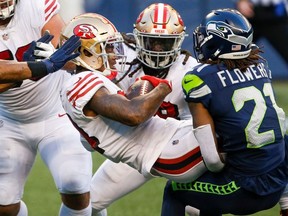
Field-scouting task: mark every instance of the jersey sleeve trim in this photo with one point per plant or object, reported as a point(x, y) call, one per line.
point(84, 86)
point(52, 7)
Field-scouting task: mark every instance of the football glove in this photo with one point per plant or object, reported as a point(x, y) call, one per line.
point(40, 49)
point(64, 54)
point(155, 81)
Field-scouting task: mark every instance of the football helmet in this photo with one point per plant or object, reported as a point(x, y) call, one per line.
point(7, 8)
point(96, 33)
point(159, 32)
point(224, 34)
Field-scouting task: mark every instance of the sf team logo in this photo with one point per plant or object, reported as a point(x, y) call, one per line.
point(85, 31)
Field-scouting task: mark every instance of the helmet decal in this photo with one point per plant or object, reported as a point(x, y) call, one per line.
point(226, 31)
point(100, 42)
point(223, 34)
point(139, 18)
point(159, 32)
point(180, 20)
point(160, 16)
point(85, 31)
point(108, 22)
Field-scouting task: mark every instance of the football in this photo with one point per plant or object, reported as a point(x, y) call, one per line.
point(140, 87)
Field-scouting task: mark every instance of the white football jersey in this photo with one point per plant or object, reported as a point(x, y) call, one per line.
point(138, 146)
point(174, 105)
point(32, 99)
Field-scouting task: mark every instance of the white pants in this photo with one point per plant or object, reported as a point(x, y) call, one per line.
point(60, 148)
point(114, 180)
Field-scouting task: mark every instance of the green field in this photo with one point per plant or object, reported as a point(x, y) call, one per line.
point(42, 197)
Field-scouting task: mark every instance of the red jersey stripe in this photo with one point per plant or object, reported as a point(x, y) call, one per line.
point(80, 81)
point(182, 169)
point(87, 90)
point(77, 94)
point(180, 159)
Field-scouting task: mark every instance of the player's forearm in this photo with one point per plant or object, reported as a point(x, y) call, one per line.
point(13, 72)
point(146, 106)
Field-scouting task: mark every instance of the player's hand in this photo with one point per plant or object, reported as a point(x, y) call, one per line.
point(40, 49)
point(44, 50)
point(64, 54)
point(155, 81)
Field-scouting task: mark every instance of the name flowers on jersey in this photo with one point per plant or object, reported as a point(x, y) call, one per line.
point(235, 76)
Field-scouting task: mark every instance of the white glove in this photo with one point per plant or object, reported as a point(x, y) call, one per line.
point(44, 50)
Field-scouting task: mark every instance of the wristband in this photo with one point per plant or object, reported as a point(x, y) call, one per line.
point(38, 69)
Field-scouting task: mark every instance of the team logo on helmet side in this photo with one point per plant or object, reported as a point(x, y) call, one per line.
point(226, 31)
point(85, 31)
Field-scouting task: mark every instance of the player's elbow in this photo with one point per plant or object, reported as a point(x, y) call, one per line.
point(214, 164)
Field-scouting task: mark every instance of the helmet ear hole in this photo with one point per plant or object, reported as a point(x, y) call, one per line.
point(87, 53)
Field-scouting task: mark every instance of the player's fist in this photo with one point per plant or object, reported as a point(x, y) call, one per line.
point(155, 81)
point(139, 87)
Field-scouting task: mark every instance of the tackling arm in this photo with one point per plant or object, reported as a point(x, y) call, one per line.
point(205, 134)
point(16, 71)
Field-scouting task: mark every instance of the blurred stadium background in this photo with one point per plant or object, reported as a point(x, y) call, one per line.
point(40, 193)
point(123, 14)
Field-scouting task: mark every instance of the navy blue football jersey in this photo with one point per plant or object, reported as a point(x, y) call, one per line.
point(245, 114)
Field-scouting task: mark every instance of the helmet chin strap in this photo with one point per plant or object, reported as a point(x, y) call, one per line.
point(110, 74)
point(107, 72)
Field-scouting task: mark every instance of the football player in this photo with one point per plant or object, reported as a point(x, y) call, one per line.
point(33, 120)
point(124, 130)
point(230, 94)
point(154, 49)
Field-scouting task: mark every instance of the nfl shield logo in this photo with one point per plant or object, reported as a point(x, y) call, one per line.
point(5, 36)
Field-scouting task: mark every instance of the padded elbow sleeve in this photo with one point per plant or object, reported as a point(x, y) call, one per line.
point(204, 136)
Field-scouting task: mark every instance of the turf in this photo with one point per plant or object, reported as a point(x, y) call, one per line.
point(43, 199)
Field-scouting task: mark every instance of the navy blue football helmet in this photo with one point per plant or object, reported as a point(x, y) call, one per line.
point(224, 34)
